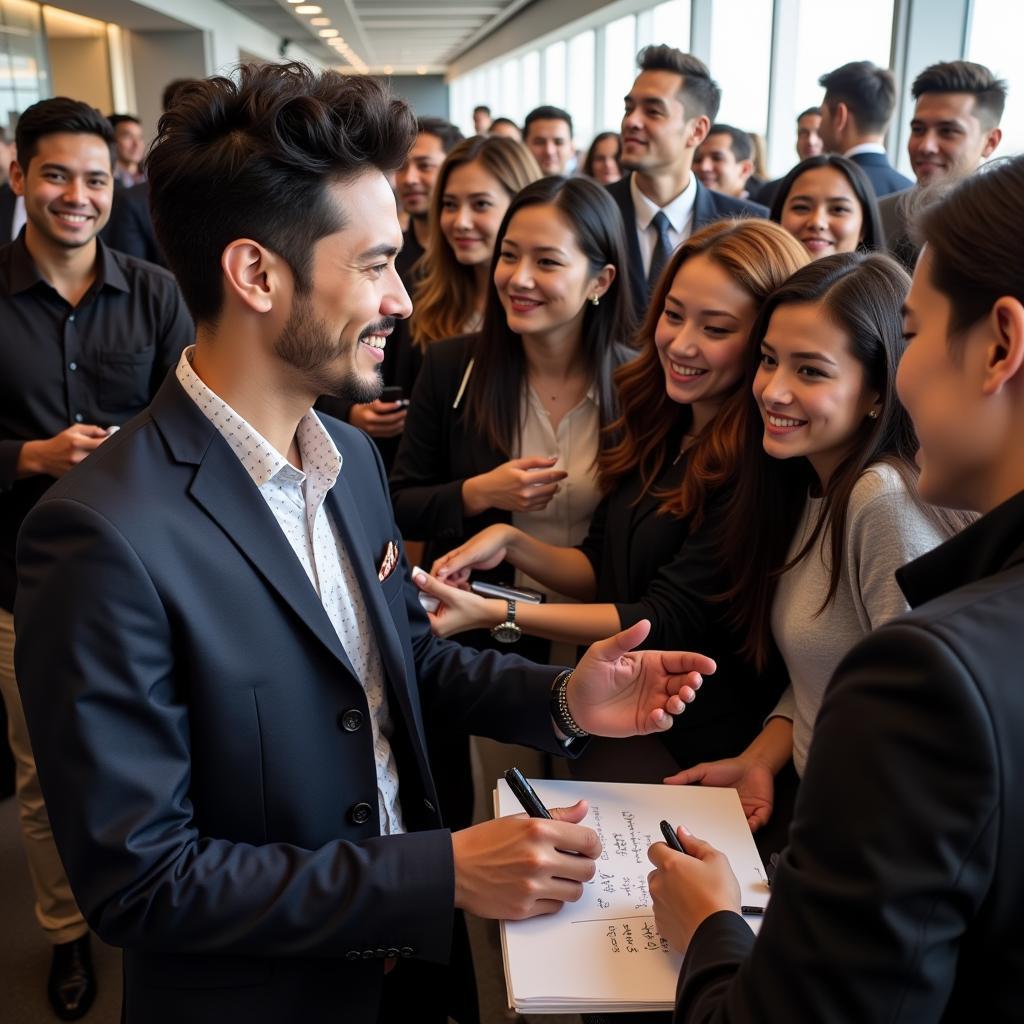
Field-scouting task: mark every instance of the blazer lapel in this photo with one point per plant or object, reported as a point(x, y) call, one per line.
point(229, 496)
point(342, 507)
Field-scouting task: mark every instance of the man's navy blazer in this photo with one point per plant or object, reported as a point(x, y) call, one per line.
point(883, 176)
point(204, 746)
point(708, 206)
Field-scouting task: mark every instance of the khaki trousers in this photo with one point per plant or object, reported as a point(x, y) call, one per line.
point(56, 910)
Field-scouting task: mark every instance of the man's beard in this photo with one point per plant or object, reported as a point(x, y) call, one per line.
point(307, 345)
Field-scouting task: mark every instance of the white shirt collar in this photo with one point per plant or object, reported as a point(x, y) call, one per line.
point(678, 211)
point(261, 460)
point(866, 147)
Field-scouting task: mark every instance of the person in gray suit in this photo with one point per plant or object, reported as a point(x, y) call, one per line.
point(958, 107)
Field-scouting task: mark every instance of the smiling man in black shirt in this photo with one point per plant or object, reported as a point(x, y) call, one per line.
point(88, 336)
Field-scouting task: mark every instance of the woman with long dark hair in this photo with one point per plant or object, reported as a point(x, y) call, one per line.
point(648, 554)
point(828, 203)
point(603, 161)
point(899, 896)
point(825, 501)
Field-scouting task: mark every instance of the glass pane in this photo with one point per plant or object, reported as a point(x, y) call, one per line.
point(619, 70)
point(581, 87)
point(994, 41)
point(24, 76)
point(530, 82)
point(554, 75)
point(672, 23)
point(741, 31)
point(511, 98)
point(821, 48)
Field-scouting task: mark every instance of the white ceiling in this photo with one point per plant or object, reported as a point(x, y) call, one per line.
point(384, 36)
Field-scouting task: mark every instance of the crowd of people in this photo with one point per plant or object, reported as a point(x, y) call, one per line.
point(708, 437)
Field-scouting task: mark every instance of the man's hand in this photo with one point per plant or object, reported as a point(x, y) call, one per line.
point(56, 455)
point(519, 867)
point(689, 887)
point(379, 419)
point(752, 779)
point(616, 691)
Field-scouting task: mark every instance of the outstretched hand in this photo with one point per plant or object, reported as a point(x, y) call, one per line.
point(752, 780)
point(616, 691)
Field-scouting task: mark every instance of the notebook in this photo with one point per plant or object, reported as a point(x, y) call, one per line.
point(603, 953)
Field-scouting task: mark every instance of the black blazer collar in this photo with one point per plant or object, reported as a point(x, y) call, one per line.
point(995, 542)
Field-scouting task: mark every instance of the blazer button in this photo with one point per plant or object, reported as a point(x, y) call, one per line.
point(351, 720)
point(359, 814)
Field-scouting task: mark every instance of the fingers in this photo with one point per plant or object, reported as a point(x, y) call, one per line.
point(687, 777)
point(534, 462)
point(574, 814)
point(623, 642)
point(759, 818)
point(537, 477)
point(431, 586)
point(90, 430)
point(695, 847)
point(683, 662)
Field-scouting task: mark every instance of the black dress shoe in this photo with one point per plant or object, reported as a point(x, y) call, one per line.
point(72, 986)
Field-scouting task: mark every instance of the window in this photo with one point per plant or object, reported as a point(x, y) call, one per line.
point(529, 78)
point(671, 24)
point(741, 32)
point(23, 68)
point(511, 99)
point(554, 75)
point(580, 98)
point(994, 40)
point(619, 70)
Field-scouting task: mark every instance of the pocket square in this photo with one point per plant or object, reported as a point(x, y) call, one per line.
point(387, 567)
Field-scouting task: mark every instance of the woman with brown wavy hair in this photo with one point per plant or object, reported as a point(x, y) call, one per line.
point(649, 551)
point(475, 185)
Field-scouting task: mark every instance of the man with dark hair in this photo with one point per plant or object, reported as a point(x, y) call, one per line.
point(7, 152)
point(669, 110)
point(724, 161)
point(808, 143)
point(414, 181)
point(547, 131)
point(506, 127)
point(481, 119)
point(855, 113)
point(955, 126)
point(129, 148)
point(88, 335)
point(223, 660)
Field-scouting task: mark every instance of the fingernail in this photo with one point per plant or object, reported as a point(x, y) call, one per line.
point(686, 831)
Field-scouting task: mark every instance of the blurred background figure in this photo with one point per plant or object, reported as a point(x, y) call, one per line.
point(481, 119)
point(130, 148)
point(602, 160)
point(507, 128)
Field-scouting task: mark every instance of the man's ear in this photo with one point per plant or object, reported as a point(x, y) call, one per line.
point(253, 274)
point(1004, 354)
point(17, 178)
point(992, 140)
point(840, 116)
point(746, 169)
point(697, 131)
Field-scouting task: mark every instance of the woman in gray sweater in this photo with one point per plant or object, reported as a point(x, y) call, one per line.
point(826, 498)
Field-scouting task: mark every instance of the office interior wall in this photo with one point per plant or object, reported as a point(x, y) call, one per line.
point(158, 58)
point(426, 94)
point(80, 67)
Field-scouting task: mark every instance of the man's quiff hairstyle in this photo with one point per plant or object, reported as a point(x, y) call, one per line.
point(56, 116)
point(699, 93)
point(867, 90)
point(255, 159)
point(988, 91)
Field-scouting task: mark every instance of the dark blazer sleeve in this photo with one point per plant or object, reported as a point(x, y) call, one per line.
point(426, 493)
point(891, 851)
point(101, 684)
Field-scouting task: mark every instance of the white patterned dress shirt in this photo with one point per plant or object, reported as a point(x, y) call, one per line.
point(296, 498)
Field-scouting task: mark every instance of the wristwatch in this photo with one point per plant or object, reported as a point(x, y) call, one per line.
point(507, 632)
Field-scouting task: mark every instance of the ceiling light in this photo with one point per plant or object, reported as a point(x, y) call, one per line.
point(319, 21)
point(421, 70)
point(388, 69)
point(309, 9)
point(328, 33)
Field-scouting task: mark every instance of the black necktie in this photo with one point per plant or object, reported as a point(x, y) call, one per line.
point(662, 249)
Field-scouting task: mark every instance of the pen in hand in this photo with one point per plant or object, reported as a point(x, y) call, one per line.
point(673, 841)
point(525, 794)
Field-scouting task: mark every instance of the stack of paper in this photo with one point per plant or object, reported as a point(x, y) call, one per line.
point(603, 953)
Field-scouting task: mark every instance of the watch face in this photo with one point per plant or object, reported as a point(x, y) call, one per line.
point(507, 633)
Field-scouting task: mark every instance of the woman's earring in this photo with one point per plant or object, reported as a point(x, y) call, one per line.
point(873, 414)
point(595, 299)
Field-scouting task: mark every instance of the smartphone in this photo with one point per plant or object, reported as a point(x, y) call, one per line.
point(394, 393)
point(524, 594)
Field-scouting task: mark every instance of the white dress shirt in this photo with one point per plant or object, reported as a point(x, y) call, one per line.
point(679, 213)
point(296, 498)
point(19, 218)
point(865, 147)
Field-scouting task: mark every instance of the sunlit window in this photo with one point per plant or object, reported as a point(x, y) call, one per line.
point(580, 99)
point(619, 70)
point(530, 83)
point(510, 104)
point(741, 32)
point(994, 40)
point(554, 75)
point(671, 24)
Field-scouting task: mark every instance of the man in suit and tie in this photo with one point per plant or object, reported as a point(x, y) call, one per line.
point(958, 106)
point(222, 660)
point(669, 110)
point(855, 113)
